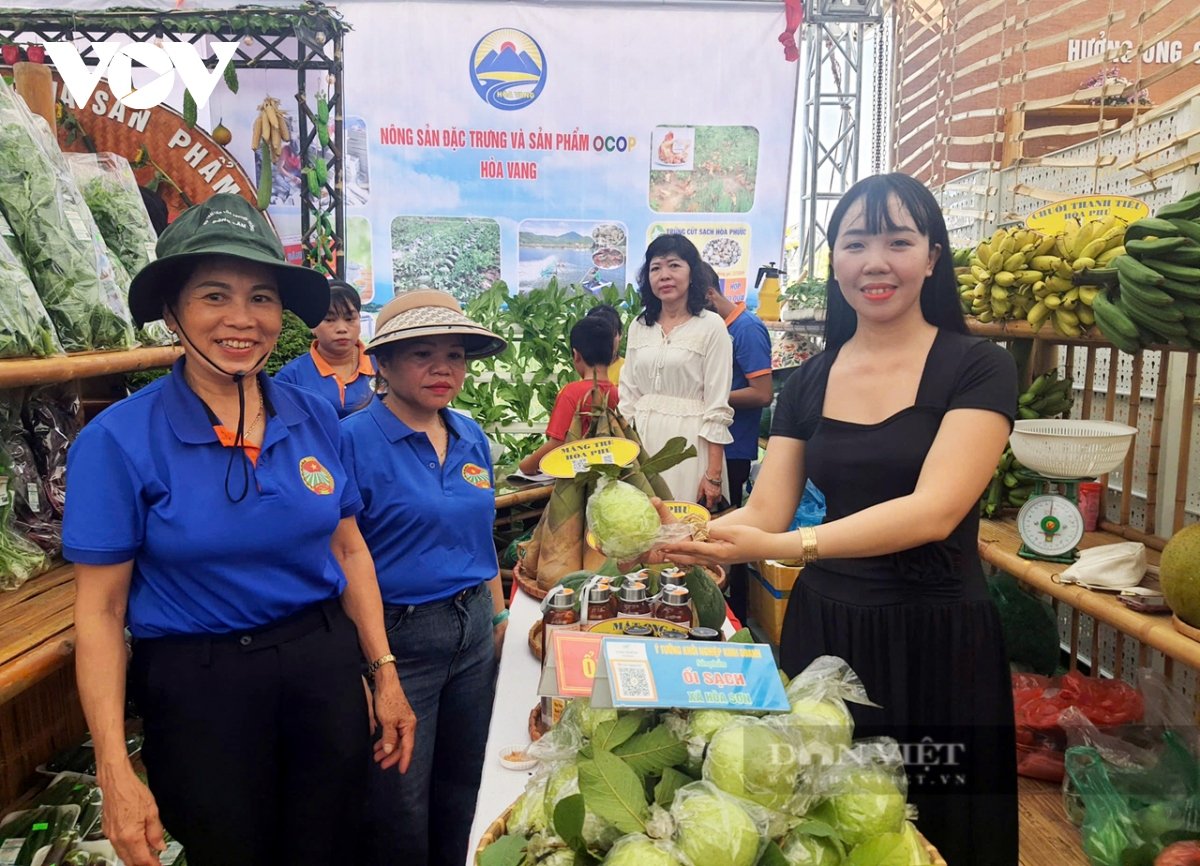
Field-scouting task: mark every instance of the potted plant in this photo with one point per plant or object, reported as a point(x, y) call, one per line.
point(804, 300)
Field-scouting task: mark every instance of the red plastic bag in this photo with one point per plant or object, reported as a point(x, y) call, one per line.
point(1039, 701)
point(1179, 854)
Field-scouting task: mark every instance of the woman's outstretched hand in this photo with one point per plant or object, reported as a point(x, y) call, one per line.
point(725, 545)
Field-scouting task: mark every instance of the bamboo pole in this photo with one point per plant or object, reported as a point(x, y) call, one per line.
point(1089, 383)
point(1157, 542)
point(1185, 445)
point(1131, 418)
point(1156, 425)
point(523, 497)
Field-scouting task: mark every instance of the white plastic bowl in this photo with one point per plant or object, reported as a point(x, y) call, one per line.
point(1070, 448)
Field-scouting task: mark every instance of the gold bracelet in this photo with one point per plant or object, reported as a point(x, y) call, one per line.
point(374, 666)
point(808, 544)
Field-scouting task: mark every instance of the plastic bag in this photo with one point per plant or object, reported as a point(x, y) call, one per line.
point(639, 850)
point(811, 511)
point(61, 243)
point(716, 829)
point(53, 416)
point(1030, 633)
point(819, 716)
point(25, 327)
point(112, 195)
point(1038, 703)
point(761, 760)
point(625, 524)
point(864, 795)
point(33, 516)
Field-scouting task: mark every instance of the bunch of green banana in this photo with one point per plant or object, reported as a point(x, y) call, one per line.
point(999, 282)
point(1048, 396)
point(1157, 297)
point(1066, 297)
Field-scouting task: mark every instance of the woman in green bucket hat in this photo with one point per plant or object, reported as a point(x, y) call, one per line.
point(203, 512)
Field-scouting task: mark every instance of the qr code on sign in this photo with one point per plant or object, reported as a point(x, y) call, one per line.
point(633, 681)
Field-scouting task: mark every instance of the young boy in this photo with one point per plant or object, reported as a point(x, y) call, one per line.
point(608, 313)
point(591, 352)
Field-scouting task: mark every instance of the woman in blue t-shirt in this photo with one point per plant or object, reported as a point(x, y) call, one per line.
point(337, 366)
point(203, 511)
point(425, 475)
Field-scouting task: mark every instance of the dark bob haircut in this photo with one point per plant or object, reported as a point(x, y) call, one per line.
point(940, 303)
point(665, 245)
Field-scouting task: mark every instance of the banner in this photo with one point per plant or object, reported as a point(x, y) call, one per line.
point(491, 141)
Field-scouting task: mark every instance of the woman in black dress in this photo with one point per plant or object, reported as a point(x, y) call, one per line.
point(900, 422)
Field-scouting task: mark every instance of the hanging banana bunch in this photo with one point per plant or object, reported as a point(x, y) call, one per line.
point(270, 126)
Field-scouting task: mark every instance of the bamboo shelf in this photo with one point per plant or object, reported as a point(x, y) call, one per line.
point(524, 497)
point(37, 630)
point(998, 544)
point(18, 372)
point(1047, 837)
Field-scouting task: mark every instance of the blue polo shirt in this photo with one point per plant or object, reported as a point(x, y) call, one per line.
point(428, 525)
point(146, 482)
point(751, 359)
point(313, 372)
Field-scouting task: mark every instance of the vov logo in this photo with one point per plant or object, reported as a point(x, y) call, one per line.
point(117, 60)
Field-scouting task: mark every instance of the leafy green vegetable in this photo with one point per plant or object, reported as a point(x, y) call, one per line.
point(713, 829)
point(505, 851)
point(622, 518)
point(25, 327)
point(613, 791)
point(652, 752)
point(20, 559)
point(57, 234)
point(112, 195)
point(672, 780)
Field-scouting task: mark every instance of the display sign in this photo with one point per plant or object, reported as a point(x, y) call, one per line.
point(571, 458)
point(496, 146)
point(1052, 218)
point(639, 672)
point(690, 511)
point(571, 662)
point(658, 627)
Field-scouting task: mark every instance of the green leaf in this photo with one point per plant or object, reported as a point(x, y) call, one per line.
point(672, 780)
point(611, 568)
point(608, 735)
point(506, 851)
point(613, 791)
point(742, 635)
point(772, 856)
point(674, 452)
point(814, 827)
point(568, 821)
point(653, 751)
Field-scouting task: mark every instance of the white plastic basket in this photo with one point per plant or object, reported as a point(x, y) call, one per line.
point(1071, 448)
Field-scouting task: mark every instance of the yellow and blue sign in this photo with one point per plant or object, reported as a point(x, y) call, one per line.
point(508, 69)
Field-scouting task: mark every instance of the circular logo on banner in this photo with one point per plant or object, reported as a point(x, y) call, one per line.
point(477, 476)
point(316, 477)
point(508, 69)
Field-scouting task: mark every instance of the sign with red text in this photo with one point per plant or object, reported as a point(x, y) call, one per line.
point(641, 672)
point(571, 664)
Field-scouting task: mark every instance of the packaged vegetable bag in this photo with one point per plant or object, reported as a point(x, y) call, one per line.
point(25, 327)
point(112, 195)
point(33, 516)
point(57, 234)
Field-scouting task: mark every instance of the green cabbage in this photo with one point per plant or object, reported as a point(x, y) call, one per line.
point(528, 814)
point(622, 519)
point(753, 761)
point(825, 729)
point(890, 849)
point(704, 724)
point(715, 830)
point(800, 849)
point(868, 804)
point(638, 850)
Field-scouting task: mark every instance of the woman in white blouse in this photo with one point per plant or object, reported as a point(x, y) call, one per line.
point(678, 370)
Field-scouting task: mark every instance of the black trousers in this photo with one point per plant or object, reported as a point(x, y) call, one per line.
point(256, 743)
point(739, 575)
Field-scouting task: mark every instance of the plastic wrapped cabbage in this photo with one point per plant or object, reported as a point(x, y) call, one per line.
point(622, 519)
point(528, 815)
point(865, 794)
point(754, 760)
point(801, 849)
point(711, 828)
point(638, 850)
point(890, 849)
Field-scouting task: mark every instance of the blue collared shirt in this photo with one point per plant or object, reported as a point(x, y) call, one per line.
point(428, 525)
point(311, 371)
point(146, 482)
point(751, 359)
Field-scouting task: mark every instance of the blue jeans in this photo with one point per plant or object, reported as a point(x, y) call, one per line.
point(447, 665)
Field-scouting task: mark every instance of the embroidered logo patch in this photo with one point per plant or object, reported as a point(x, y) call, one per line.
point(477, 475)
point(316, 477)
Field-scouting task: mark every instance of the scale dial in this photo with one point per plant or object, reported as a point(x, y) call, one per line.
point(1050, 525)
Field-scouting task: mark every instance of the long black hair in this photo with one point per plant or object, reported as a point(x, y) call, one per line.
point(939, 295)
point(665, 245)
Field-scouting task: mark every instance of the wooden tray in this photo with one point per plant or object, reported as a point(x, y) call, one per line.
point(496, 829)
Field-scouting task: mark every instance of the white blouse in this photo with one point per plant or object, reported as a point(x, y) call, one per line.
point(678, 384)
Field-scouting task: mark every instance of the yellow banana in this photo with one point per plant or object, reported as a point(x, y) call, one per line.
point(1093, 249)
point(995, 262)
point(1062, 246)
point(1004, 278)
point(1044, 246)
point(1052, 301)
point(983, 252)
point(997, 236)
point(1007, 246)
point(1082, 262)
point(1030, 277)
point(1066, 317)
point(1015, 262)
point(1070, 299)
point(981, 274)
point(965, 279)
point(1106, 257)
point(985, 316)
point(1086, 316)
point(1046, 264)
point(1087, 294)
point(980, 291)
point(999, 294)
point(1037, 314)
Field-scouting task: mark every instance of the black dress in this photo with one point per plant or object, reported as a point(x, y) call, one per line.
point(917, 626)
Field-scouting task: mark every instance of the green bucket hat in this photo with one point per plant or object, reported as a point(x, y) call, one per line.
point(225, 225)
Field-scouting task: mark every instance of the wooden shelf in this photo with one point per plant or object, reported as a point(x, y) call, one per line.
point(1048, 838)
point(17, 372)
point(37, 630)
point(998, 544)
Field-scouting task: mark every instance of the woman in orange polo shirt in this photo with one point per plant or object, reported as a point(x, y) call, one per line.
point(336, 367)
